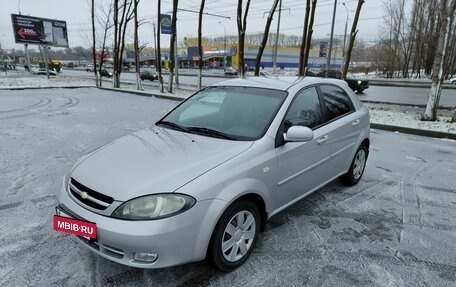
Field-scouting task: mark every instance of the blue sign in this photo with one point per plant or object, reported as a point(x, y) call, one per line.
point(165, 23)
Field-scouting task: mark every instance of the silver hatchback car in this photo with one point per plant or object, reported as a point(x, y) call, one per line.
point(203, 181)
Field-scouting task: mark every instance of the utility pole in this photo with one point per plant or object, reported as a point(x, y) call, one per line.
point(328, 60)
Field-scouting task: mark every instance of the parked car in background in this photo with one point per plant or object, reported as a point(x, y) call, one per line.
point(203, 181)
point(231, 71)
point(106, 73)
point(355, 83)
point(148, 75)
point(89, 68)
point(42, 71)
point(452, 81)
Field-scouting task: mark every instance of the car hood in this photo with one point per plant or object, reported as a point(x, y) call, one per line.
point(154, 160)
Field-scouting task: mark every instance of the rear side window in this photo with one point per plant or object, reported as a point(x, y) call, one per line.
point(337, 102)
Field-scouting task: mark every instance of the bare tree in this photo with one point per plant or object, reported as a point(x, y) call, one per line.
point(126, 13)
point(136, 44)
point(301, 71)
point(94, 42)
point(353, 33)
point(242, 26)
point(158, 52)
point(106, 24)
point(200, 46)
point(309, 35)
point(265, 38)
point(447, 10)
point(172, 46)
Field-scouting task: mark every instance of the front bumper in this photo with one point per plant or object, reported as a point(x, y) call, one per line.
point(176, 240)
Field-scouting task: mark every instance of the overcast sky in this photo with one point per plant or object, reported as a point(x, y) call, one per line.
point(76, 14)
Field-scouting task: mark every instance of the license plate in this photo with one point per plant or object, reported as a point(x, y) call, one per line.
point(64, 222)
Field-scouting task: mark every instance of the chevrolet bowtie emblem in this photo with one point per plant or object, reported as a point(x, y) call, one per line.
point(84, 195)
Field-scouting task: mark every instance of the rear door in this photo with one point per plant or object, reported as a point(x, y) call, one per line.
point(344, 124)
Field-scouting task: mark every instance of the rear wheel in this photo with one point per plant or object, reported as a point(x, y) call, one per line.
point(234, 236)
point(354, 174)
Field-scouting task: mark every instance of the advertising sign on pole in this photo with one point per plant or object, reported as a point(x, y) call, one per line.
point(39, 31)
point(165, 23)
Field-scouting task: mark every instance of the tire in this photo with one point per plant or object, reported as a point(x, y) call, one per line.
point(360, 90)
point(354, 174)
point(238, 240)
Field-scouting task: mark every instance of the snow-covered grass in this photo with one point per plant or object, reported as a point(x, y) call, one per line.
point(393, 115)
point(404, 116)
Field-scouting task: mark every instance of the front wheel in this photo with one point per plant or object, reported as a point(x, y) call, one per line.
point(354, 174)
point(234, 236)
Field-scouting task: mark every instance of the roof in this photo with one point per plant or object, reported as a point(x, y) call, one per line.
point(276, 83)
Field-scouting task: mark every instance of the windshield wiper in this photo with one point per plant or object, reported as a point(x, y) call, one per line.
point(211, 132)
point(172, 125)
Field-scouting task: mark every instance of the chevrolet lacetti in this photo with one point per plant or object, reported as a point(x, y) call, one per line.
point(203, 180)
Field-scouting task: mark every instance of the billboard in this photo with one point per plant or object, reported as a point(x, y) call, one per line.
point(39, 31)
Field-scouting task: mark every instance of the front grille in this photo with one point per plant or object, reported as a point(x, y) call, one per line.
point(88, 196)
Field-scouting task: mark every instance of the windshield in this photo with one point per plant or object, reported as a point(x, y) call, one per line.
point(234, 113)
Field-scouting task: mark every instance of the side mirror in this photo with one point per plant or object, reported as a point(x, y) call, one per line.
point(298, 134)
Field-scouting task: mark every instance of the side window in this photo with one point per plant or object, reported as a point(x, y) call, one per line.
point(305, 110)
point(337, 102)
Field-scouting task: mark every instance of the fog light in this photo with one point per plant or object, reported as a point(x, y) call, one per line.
point(146, 257)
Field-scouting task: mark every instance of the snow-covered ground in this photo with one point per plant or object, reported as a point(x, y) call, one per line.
point(393, 115)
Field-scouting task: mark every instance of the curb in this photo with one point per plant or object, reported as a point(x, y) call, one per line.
point(142, 93)
point(404, 104)
point(42, 88)
point(418, 132)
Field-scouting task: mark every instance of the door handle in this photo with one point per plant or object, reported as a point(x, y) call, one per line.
point(355, 122)
point(322, 139)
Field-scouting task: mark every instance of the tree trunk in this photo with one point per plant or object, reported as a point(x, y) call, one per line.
point(172, 48)
point(242, 25)
point(138, 77)
point(94, 43)
point(309, 34)
point(158, 54)
point(446, 13)
point(301, 70)
point(200, 46)
point(116, 40)
point(352, 39)
point(265, 38)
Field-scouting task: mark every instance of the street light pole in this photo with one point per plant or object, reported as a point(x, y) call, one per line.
point(328, 60)
point(345, 34)
point(224, 46)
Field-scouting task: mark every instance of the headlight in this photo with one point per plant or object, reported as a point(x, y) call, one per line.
point(154, 206)
point(359, 82)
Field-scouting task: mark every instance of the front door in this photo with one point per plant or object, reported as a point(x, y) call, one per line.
point(302, 166)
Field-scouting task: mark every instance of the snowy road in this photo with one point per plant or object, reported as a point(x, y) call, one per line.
point(397, 227)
